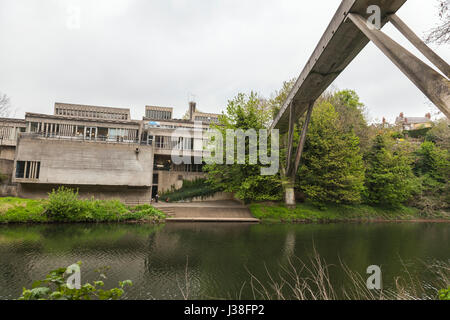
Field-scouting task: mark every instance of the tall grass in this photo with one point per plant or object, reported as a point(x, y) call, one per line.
point(311, 281)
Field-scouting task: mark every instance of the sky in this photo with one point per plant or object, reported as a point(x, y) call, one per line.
point(132, 53)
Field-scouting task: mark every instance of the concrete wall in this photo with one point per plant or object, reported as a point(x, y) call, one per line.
point(7, 152)
point(6, 169)
point(87, 163)
point(167, 179)
point(123, 193)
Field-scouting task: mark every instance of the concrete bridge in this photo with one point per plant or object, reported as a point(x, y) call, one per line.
point(347, 34)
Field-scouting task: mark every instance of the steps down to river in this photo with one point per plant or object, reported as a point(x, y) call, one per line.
point(207, 211)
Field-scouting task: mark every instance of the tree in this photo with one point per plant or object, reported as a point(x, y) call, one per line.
point(352, 115)
point(432, 166)
point(433, 162)
point(279, 97)
point(440, 134)
point(389, 177)
point(5, 105)
point(332, 169)
point(245, 180)
point(441, 33)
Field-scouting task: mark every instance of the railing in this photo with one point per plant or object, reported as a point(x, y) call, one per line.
point(81, 138)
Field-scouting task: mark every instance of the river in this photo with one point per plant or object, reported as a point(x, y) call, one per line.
point(214, 260)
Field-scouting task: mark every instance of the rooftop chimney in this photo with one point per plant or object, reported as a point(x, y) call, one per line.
point(428, 115)
point(401, 114)
point(191, 110)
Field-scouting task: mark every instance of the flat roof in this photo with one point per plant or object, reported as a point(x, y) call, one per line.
point(76, 118)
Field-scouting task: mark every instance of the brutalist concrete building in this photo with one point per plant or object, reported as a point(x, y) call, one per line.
point(100, 151)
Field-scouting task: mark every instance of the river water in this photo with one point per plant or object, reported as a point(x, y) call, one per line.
point(214, 260)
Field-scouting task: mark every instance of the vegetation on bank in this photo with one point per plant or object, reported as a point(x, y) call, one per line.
point(64, 205)
point(346, 162)
point(308, 212)
point(190, 189)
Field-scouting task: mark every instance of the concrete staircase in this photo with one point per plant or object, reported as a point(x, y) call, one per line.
point(208, 211)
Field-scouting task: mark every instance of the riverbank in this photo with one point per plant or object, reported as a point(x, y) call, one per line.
point(307, 213)
point(18, 210)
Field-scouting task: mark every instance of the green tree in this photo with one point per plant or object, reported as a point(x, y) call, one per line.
point(432, 166)
point(245, 180)
point(352, 115)
point(332, 168)
point(389, 176)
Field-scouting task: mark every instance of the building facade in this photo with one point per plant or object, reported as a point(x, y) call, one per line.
point(100, 151)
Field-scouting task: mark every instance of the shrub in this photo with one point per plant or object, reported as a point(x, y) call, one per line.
point(54, 287)
point(63, 204)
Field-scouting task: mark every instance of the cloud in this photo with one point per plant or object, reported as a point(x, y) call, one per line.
point(133, 52)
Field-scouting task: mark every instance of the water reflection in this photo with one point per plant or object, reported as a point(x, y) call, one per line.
point(217, 255)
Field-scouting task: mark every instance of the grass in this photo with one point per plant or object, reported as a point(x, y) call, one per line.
point(18, 210)
point(306, 212)
point(312, 281)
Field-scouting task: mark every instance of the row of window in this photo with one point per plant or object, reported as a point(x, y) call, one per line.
point(91, 114)
point(206, 119)
point(84, 132)
point(158, 114)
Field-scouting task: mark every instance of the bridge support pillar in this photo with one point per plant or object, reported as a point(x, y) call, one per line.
point(291, 169)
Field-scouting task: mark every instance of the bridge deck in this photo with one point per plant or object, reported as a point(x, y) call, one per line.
point(339, 45)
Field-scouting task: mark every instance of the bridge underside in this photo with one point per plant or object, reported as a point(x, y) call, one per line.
point(342, 41)
point(345, 37)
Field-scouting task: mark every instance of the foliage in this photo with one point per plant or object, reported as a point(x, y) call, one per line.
point(190, 189)
point(54, 287)
point(389, 177)
point(332, 169)
point(441, 33)
point(245, 181)
point(352, 115)
point(21, 210)
point(444, 294)
point(418, 133)
point(308, 212)
point(432, 166)
point(440, 134)
point(64, 205)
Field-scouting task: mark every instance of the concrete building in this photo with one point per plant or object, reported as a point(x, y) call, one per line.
point(100, 151)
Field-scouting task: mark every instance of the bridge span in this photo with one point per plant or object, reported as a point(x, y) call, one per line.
point(345, 37)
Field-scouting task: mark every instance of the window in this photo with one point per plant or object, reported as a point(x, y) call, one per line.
point(28, 169)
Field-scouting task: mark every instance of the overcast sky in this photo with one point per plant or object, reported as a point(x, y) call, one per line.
point(132, 53)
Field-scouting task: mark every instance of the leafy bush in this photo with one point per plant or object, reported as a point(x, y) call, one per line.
point(63, 204)
point(191, 189)
point(54, 287)
point(444, 294)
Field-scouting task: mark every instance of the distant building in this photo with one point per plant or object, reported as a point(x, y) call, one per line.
point(414, 123)
point(100, 151)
